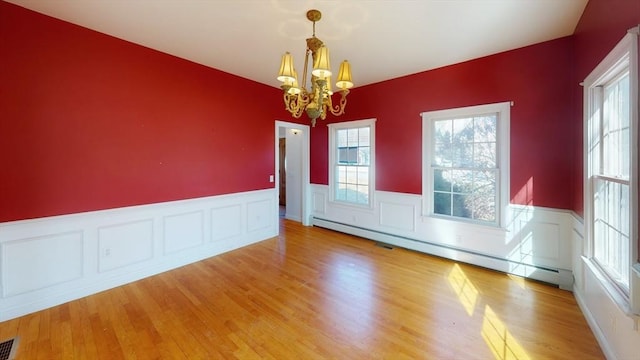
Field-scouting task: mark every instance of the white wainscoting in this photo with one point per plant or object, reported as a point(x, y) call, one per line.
point(616, 331)
point(536, 243)
point(49, 261)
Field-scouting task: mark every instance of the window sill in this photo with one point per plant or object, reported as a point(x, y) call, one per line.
point(613, 292)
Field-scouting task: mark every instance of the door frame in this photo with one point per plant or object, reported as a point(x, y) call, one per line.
point(306, 183)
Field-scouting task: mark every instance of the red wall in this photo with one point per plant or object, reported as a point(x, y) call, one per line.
point(89, 122)
point(536, 78)
point(602, 25)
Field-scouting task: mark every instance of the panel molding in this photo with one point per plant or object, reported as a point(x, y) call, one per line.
point(319, 202)
point(226, 222)
point(124, 244)
point(258, 215)
point(177, 227)
point(397, 216)
point(109, 248)
point(57, 255)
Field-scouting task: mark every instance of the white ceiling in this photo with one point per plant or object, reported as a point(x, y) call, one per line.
point(383, 39)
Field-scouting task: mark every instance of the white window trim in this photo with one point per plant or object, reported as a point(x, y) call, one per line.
point(502, 148)
point(604, 71)
point(372, 160)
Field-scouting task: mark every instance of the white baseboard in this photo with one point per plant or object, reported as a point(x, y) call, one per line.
point(49, 261)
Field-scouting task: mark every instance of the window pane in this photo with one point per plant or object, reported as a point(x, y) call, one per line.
point(460, 208)
point(463, 130)
point(341, 138)
point(611, 230)
point(348, 155)
point(485, 183)
point(484, 208)
point(485, 128)
point(342, 174)
point(363, 194)
point(364, 137)
point(462, 181)
point(352, 193)
point(484, 155)
point(441, 180)
point(594, 141)
point(615, 135)
point(363, 175)
point(352, 137)
point(626, 152)
point(442, 131)
point(442, 203)
point(442, 154)
point(352, 175)
point(463, 155)
point(364, 155)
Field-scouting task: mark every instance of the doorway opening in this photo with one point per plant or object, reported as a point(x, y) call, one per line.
point(292, 172)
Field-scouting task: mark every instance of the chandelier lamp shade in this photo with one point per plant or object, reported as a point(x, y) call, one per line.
point(316, 102)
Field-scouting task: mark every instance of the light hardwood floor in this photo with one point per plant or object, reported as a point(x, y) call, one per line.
point(312, 293)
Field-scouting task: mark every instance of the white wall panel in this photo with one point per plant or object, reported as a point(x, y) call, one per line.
point(397, 216)
point(259, 215)
point(36, 263)
point(226, 222)
point(319, 203)
point(183, 231)
point(125, 244)
point(49, 261)
point(546, 247)
point(539, 244)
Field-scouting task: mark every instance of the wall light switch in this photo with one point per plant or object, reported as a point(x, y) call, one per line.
point(270, 178)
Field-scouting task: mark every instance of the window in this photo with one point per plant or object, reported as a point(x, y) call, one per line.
point(352, 161)
point(611, 120)
point(465, 163)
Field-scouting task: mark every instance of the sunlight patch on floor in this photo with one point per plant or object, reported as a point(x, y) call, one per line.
point(464, 288)
point(519, 280)
point(499, 339)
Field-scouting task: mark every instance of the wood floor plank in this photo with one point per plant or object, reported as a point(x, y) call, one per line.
point(312, 293)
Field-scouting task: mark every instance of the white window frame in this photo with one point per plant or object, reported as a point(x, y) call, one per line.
point(624, 54)
point(503, 109)
point(333, 128)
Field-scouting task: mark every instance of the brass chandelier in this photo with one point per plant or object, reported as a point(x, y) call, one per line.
point(317, 102)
